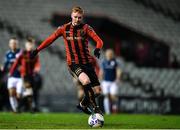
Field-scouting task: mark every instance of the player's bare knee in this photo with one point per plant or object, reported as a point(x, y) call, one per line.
point(27, 85)
point(12, 92)
point(113, 97)
point(97, 90)
point(86, 81)
point(28, 92)
point(18, 95)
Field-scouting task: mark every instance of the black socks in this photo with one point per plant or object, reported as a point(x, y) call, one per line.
point(89, 96)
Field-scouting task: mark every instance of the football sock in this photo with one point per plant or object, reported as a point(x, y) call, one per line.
point(114, 106)
point(92, 98)
point(20, 103)
point(97, 95)
point(14, 104)
point(85, 101)
point(89, 96)
point(29, 100)
point(106, 105)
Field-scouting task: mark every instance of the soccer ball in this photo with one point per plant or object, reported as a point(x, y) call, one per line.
point(96, 120)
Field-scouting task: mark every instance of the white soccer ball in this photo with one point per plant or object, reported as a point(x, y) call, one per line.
point(96, 120)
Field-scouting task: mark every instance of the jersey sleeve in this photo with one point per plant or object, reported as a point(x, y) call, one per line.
point(48, 41)
point(94, 36)
point(6, 63)
point(15, 65)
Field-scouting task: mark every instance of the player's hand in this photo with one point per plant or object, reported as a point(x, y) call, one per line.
point(34, 53)
point(97, 53)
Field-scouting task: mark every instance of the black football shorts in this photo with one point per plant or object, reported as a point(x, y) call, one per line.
point(28, 79)
point(77, 69)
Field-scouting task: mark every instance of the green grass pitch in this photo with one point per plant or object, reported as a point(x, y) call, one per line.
point(79, 121)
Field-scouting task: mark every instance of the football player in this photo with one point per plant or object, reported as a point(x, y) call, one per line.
point(79, 60)
point(14, 82)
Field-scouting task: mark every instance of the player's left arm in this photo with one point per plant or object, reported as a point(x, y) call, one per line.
point(118, 71)
point(95, 37)
point(99, 43)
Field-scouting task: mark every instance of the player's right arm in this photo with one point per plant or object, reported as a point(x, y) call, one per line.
point(48, 41)
point(5, 65)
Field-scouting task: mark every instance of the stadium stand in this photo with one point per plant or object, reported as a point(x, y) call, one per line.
point(169, 9)
point(157, 78)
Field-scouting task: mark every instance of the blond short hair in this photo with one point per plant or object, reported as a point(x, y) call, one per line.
point(78, 9)
point(14, 40)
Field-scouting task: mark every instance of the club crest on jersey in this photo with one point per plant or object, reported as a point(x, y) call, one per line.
point(82, 32)
point(112, 63)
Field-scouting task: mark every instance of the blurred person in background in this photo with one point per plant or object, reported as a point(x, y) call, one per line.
point(28, 68)
point(110, 73)
point(79, 60)
point(14, 82)
point(37, 86)
point(4, 96)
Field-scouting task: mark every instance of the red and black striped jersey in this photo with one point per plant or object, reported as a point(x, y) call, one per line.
point(28, 66)
point(76, 42)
